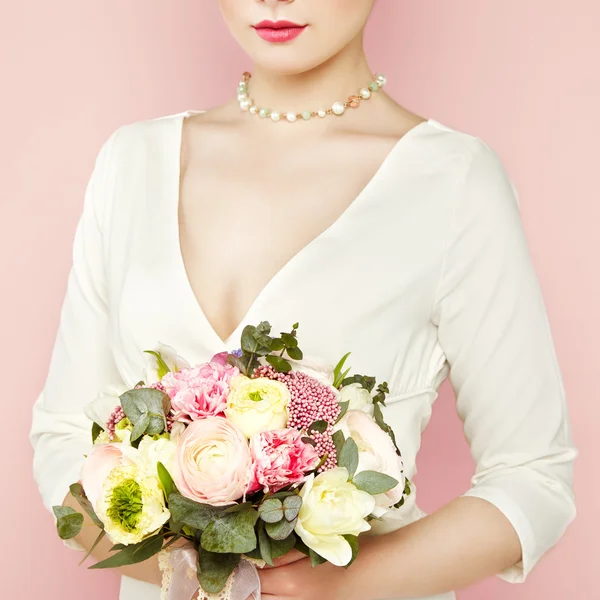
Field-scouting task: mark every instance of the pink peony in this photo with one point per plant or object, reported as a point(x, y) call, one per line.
point(199, 391)
point(280, 458)
point(212, 462)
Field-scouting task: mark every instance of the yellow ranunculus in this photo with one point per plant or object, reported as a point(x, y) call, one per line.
point(332, 507)
point(256, 405)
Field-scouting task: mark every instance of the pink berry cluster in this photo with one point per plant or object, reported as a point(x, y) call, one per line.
point(116, 416)
point(311, 401)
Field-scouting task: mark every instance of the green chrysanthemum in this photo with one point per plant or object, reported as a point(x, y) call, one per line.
point(132, 505)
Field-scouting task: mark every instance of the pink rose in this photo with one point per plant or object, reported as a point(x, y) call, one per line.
point(97, 467)
point(280, 458)
point(376, 452)
point(212, 462)
point(199, 391)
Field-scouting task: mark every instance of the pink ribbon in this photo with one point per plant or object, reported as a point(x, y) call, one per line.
point(180, 581)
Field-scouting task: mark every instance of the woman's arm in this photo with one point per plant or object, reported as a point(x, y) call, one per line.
point(494, 331)
point(82, 364)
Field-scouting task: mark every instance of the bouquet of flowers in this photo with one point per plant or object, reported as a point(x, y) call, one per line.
point(224, 466)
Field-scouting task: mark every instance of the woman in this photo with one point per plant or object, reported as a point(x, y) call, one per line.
point(380, 231)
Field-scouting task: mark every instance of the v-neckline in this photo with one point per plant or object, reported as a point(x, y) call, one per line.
point(225, 344)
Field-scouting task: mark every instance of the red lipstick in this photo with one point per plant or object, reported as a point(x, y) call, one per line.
point(278, 31)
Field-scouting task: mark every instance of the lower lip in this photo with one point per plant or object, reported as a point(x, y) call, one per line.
point(278, 36)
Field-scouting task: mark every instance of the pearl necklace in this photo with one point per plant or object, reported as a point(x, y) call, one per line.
point(337, 108)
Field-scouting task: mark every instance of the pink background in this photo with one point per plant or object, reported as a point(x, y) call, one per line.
point(518, 73)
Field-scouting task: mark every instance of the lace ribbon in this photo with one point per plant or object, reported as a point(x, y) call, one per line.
point(180, 581)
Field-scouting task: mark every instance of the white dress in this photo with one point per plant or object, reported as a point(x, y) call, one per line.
point(427, 274)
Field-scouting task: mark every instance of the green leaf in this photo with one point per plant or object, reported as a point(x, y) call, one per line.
point(236, 361)
point(249, 343)
point(374, 482)
point(302, 547)
point(96, 431)
point(140, 427)
point(277, 345)
point(233, 532)
point(156, 424)
point(77, 492)
point(280, 548)
point(264, 543)
point(98, 539)
point(264, 327)
point(320, 426)
point(214, 569)
point(309, 440)
point(343, 410)
point(196, 515)
point(68, 522)
point(292, 505)
point(163, 368)
point(133, 405)
point(133, 554)
point(337, 378)
point(271, 510)
point(166, 481)
point(295, 353)
point(289, 340)
point(279, 364)
point(338, 441)
point(353, 541)
point(348, 457)
point(316, 559)
point(280, 530)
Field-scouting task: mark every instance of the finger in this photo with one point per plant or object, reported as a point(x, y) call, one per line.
point(274, 581)
point(292, 556)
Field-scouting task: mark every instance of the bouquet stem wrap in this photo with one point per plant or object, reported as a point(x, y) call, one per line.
point(180, 579)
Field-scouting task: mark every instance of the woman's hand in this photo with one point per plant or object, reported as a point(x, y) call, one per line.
point(293, 578)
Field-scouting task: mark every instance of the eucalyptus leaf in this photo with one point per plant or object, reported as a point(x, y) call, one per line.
point(295, 353)
point(249, 343)
point(156, 424)
point(196, 515)
point(238, 362)
point(348, 457)
point(77, 492)
point(280, 530)
point(338, 441)
point(320, 426)
point(133, 405)
point(374, 482)
point(280, 548)
point(271, 510)
point(140, 427)
point(279, 364)
point(289, 340)
point(292, 505)
point(133, 554)
point(343, 410)
point(68, 522)
point(264, 327)
point(214, 569)
point(302, 547)
point(277, 345)
point(309, 440)
point(232, 532)
point(353, 541)
point(264, 543)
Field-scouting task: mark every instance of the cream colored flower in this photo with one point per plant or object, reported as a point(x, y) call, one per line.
point(131, 505)
point(358, 397)
point(331, 508)
point(256, 405)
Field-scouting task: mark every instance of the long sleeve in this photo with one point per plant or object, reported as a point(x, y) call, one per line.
point(81, 363)
point(495, 334)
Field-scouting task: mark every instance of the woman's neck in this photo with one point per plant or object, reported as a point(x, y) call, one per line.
point(317, 88)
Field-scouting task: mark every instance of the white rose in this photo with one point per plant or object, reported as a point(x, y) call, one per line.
point(319, 370)
point(331, 508)
point(168, 354)
point(358, 397)
point(376, 452)
point(150, 452)
point(100, 409)
point(256, 405)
